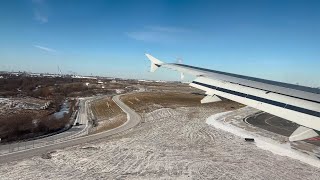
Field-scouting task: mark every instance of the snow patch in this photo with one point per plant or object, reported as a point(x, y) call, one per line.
point(262, 142)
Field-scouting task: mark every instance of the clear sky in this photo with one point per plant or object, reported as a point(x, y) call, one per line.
point(276, 40)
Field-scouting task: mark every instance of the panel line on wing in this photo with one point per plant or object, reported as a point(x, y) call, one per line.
point(264, 100)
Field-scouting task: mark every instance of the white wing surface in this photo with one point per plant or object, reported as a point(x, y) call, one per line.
point(295, 103)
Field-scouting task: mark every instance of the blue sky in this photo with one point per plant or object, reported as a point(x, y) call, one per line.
point(276, 40)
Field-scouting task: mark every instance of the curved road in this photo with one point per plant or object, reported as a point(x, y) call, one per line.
point(272, 123)
point(133, 119)
point(275, 124)
point(75, 131)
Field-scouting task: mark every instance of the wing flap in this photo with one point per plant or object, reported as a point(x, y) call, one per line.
point(302, 133)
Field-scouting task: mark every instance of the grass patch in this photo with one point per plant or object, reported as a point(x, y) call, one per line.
point(111, 123)
point(108, 115)
point(150, 101)
point(105, 109)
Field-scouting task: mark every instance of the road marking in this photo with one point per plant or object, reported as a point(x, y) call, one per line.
point(48, 139)
point(266, 121)
point(130, 114)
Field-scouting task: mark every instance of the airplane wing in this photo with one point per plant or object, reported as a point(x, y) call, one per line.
point(295, 103)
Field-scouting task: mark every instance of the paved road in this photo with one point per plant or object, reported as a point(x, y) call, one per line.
point(75, 131)
point(275, 124)
point(133, 120)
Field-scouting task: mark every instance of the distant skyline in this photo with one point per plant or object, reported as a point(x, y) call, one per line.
point(276, 40)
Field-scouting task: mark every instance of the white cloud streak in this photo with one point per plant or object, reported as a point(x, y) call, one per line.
point(167, 29)
point(45, 48)
point(40, 17)
point(40, 11)
point(38, 1)
point(162, 34)
point(148, 36)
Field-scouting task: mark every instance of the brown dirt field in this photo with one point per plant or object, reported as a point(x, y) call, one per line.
point(178, 87)
point(108, 115)
point(111, 123)
point(150, 101)
point(105, 109)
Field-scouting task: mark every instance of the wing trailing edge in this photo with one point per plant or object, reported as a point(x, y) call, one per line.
point(298, 104)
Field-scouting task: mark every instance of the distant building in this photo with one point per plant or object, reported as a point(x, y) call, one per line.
point(143, 80)
point(119, 91)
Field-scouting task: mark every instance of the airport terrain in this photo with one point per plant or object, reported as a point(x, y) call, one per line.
point(171, 141)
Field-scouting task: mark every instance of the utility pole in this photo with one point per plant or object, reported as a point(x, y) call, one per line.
point(59, 71)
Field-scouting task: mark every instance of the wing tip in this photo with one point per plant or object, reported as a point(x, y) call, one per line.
point(155, 63)
point(153, 59)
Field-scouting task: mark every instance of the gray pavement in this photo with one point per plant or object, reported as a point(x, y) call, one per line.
point(74, 131)
point(275, 124)
point(133, 120)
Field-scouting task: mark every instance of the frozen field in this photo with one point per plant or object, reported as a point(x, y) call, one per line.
point(20, 103)
point(168, 144)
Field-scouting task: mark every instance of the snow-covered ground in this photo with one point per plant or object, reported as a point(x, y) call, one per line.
point(21, 103)
point(169, 144)
point(276, 147)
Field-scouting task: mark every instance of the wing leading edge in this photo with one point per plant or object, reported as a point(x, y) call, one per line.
point(298, 104)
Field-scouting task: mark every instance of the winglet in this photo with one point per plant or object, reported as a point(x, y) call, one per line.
point(155, 63)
